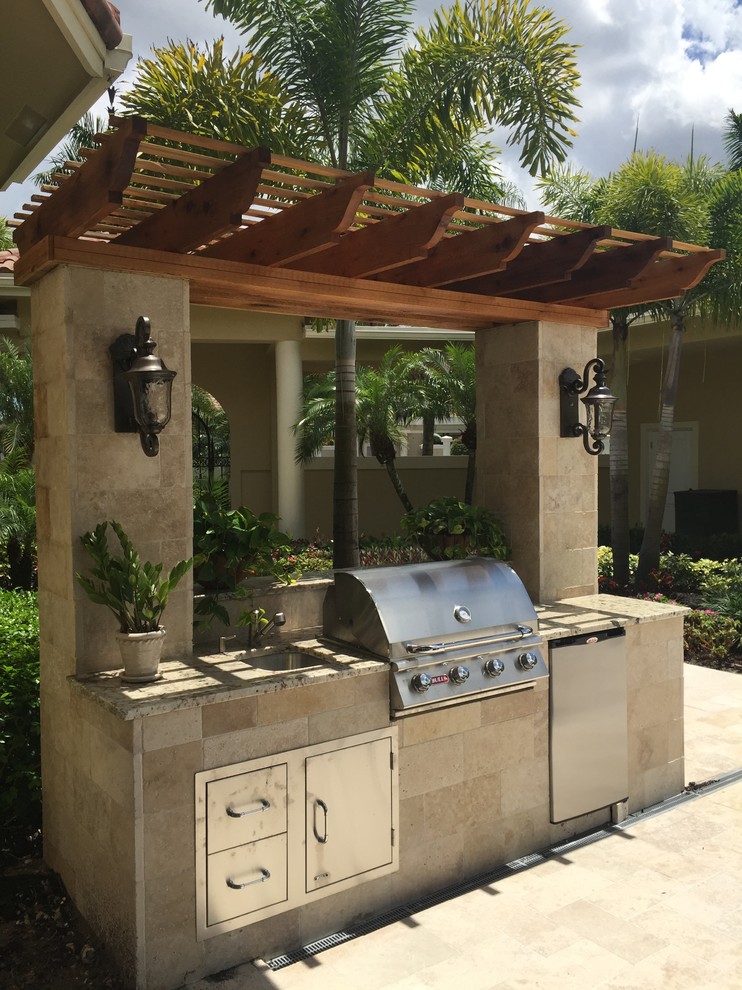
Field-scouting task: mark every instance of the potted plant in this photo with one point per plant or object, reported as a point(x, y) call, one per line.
point(136, 593)
point(447, 528)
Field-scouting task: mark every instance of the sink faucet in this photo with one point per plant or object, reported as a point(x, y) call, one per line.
point(223, 640)
point(256, 631)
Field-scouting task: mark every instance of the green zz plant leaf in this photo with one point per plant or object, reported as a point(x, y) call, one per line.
point(135, 592)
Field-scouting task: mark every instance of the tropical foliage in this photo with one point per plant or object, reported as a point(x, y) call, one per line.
point(135, 591)
point(20, 776)
point(447, 529)
point(6, 235)
point(82, 135)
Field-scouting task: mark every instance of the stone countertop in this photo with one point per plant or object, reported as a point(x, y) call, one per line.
point(591, 613)
point(206, 677)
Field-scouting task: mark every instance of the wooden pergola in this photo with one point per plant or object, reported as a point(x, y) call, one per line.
point(249, 229)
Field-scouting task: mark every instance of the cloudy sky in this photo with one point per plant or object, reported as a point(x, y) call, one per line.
point(670, 65)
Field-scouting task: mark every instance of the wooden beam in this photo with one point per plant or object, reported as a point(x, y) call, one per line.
point(541, 263)
point(604, 272)
point(302, 230)
point(665, 279)
point(206, 211)
point(91, 193)
point(469, 254)
point(398, 240)
point(235, 285)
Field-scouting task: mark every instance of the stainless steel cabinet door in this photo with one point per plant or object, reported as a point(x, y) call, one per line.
point(348, 812)
point(246, 879)
point(245, 807)
point(589, 748)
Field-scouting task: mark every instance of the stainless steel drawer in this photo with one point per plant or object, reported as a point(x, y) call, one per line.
point(242, 880)
point(245, 808)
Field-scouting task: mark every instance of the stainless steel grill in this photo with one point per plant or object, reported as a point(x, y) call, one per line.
point(450, 630)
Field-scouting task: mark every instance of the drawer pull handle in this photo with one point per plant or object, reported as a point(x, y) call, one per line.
point(264, 805)
point(265, 875)
point(320, 838)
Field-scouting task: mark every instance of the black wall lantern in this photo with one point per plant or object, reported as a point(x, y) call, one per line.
point(142, 387)
point(598, 403)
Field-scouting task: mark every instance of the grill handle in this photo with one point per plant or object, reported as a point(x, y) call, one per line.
point(428, 648)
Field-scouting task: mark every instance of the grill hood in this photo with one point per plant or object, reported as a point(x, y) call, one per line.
point(381, 610)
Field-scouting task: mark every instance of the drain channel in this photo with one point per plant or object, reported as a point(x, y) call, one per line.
point(691, 793)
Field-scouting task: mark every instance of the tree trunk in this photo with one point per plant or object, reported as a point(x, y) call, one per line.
point(345, 486)
point(471, 473)
point(649, 555)
point(391, 470)
point(428, 431)
point(619, 455)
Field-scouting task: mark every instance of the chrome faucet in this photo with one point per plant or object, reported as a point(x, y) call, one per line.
point(257, 633)
point(223, 640)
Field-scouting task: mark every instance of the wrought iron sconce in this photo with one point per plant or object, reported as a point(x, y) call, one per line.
point(598, 403)
point(142, 387)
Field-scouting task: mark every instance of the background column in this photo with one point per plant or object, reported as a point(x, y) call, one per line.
point(290, 475)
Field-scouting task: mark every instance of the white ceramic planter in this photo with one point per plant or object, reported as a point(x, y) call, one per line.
point(140, 654)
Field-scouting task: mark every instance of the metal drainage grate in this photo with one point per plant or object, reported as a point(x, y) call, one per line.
point(690, 793)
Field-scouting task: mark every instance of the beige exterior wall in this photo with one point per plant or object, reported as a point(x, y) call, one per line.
point(707, 396)
point(379, 508)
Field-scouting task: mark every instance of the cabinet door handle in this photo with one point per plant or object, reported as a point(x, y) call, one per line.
point(265, 875)
point(320, 838)
point(233, 813)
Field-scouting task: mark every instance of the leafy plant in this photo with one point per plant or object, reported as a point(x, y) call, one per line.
point(135, 592)
point(232, 544)
point(20, 784)
point(708, 633)
point(17, 522)
point(447, 528)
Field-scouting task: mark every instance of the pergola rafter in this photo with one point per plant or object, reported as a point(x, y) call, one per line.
point(249, 229)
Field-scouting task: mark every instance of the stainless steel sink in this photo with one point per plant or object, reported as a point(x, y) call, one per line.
point(282, 662)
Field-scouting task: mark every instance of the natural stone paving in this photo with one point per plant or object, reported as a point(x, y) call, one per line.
point(657, 905)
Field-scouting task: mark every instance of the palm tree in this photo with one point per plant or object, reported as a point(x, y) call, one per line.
point(6, 235)
point(82, 135)
point(451, 387)
point(654, 196)
point(16, 400)
point(733, 140)
point(387, 398)
point(416, 114)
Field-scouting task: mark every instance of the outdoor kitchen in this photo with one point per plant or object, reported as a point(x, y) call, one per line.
point(403, 729)
point(290, 792)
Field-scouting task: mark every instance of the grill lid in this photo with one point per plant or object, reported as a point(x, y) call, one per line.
point(382, 610)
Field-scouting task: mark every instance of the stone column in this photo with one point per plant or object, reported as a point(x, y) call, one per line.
point(87, 473)
point(290, 475)
point(543, 487)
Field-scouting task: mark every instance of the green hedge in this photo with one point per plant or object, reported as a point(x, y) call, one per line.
point(20, 782)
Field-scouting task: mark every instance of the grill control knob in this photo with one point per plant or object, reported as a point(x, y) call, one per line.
point(459, 674)
point(527, 661)
point(421, 682)
point(494, 667)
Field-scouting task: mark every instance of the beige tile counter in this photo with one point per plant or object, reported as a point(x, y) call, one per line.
point(590, 613)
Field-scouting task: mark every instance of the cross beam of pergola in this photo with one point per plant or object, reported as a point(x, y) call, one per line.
point(252, 230)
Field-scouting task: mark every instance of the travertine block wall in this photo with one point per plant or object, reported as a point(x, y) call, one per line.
point(655, 711)
point(544, 487)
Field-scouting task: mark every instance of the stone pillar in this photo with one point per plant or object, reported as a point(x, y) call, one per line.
point(86, 472)
point(290, 475)
point(543, 487)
